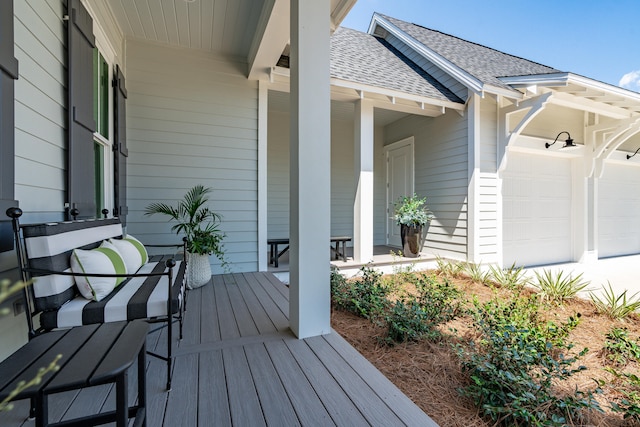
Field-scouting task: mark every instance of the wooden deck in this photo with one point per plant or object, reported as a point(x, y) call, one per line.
point(239, 364)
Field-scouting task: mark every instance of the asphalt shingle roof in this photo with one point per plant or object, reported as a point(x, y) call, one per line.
point(362, 58)
point(483, 63)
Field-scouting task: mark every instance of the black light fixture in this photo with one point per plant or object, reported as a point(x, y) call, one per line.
point(631, 155)
point(568, 143)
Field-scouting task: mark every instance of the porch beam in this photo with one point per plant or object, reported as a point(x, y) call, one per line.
point(310, 187)
point(363, 167)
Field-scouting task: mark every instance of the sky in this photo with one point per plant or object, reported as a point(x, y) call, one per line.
point(599, 39)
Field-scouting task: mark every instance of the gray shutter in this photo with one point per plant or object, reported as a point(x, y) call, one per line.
point(120, 152)
point(81, 123)
point(8, 73)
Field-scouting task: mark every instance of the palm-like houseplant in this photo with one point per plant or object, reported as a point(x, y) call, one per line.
point(201, 227)
point(412, 215)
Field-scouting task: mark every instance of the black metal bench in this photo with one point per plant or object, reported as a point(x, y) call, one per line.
point(274, 254)
point(155, 293)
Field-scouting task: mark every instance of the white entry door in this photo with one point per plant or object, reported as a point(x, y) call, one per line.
point(399, 158)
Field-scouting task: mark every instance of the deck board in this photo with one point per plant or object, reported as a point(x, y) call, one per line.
point(239, 364)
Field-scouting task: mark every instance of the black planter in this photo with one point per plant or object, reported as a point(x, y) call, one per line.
point(411, 237)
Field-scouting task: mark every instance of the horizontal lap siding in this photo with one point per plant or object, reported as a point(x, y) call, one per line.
point(192, 119)
point(441, 175)
point(488, 207)
point(40, 108)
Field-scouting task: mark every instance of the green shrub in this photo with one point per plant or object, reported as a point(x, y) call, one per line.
point(615, 306)
point(414, 317)
point(619, 349)
point(407, 320)
point(365, 296)
point(558, 288)
point(515, 363)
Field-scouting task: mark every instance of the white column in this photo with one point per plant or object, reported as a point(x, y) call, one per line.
point(262, 174)
point(473, 198)
point(363, 167)
point(310, 193)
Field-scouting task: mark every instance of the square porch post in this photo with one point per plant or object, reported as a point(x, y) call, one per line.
point(310, 215)
point(363, 204)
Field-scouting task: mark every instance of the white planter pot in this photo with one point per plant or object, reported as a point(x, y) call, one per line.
point(198, 270)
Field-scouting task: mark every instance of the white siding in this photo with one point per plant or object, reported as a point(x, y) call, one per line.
point(192, 119)
point(487, 206)
point(436, 72)
point(440, 175)
point(40, 108)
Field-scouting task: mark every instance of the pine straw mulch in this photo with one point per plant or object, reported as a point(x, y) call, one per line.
point(429, 373)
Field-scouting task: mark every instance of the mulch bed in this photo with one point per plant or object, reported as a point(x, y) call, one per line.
point(430, 375)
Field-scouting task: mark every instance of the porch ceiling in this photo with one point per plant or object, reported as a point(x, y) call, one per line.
point(253, 30)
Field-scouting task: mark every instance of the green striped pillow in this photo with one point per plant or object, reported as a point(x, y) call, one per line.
point(103, 260)
point(133, 252)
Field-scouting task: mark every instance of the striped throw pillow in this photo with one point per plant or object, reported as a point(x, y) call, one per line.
point(133, 252)
point(103, 260)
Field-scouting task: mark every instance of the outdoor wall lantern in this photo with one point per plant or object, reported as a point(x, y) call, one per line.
point(568, 143)
point(631, 155)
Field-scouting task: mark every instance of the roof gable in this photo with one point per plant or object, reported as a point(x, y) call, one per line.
point(482, 65)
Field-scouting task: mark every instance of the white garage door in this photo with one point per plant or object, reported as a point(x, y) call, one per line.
point(619, 211)
point(536, 210)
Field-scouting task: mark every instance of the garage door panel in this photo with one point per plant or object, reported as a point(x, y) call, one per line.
point(619, 211)
point(537, 193)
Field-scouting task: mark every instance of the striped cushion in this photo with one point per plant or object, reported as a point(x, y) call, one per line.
point(137, 298)
point(49, 247)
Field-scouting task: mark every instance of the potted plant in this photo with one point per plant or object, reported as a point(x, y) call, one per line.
point(412, 215)
point(200, 226)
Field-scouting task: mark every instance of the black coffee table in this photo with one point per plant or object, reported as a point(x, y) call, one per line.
point(91, 355)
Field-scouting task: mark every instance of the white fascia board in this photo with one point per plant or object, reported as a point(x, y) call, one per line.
point(363, 88)
point(564, 79)
point(449, 67)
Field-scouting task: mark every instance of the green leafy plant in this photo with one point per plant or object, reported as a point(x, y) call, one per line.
point(413, 317)
point(515, 362)
point(512, 278)
point(629, 403)
point(615, 306)
point(412, 211)
point(194, 219)
point(557, 287)
point(619, 349)
point(365, 296)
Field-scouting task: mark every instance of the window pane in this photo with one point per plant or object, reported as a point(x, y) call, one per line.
point(101, 93)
